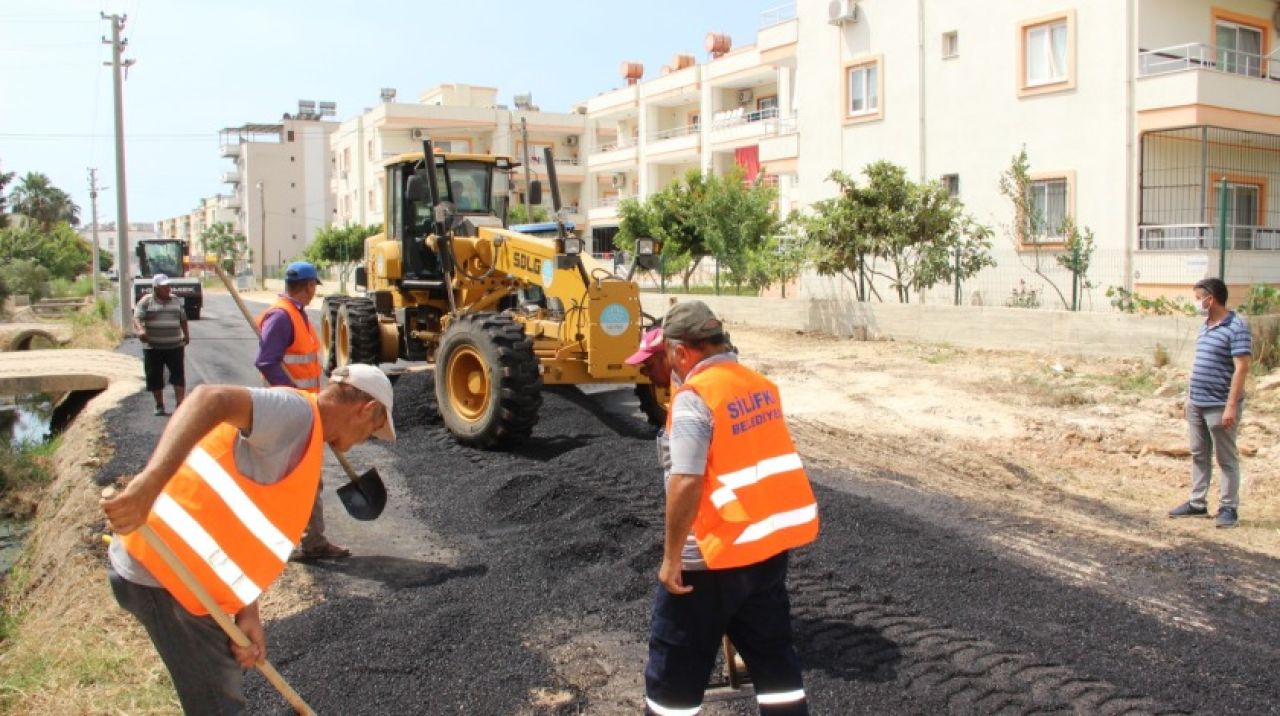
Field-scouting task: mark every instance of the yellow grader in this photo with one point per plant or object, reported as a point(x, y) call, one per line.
point(499, 312)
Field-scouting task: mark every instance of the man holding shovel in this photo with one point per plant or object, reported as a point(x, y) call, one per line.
point(229, 489)
point(289, 356)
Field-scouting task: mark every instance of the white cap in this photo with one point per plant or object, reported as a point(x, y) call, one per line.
point(160, 280)
point(369, 379)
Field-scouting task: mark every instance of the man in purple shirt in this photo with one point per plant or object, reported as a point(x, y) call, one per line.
point(276, 331)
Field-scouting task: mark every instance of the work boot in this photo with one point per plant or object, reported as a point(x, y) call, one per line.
point(328, 550)
point(1227, 517)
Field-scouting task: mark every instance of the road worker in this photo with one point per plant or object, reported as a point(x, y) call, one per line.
point(289, 356)
point(229, 489)
point(738, 500)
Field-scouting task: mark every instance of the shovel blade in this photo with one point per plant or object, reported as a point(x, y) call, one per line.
point(365, 497)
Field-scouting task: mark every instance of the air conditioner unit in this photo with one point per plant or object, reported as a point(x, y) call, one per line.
point(745, 96)
point(571, 140)
point(619, 181)
point(844, 12)
point(417, 133)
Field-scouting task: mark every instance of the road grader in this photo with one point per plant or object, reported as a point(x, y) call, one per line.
point(499, 312)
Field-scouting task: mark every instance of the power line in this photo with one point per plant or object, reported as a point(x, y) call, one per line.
point(85, 135)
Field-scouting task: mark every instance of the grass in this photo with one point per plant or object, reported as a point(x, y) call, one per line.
point(94, 328)
point(1046, 389)
point(1137, 380)
point(26, 465)
point(66, 288)
point(941, 353)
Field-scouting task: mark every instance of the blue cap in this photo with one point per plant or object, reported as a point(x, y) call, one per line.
point(302, 271)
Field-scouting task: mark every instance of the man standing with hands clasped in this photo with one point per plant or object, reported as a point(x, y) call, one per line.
point(161, 325)
point(738, 500)
point(1215, 403)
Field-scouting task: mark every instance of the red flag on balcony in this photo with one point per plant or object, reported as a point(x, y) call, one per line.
point(749, 159)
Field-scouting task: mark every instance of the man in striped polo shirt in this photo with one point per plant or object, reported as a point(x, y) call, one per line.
point(161, 323)
point(1215, 403)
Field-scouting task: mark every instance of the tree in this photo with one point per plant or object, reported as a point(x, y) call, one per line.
point(5, 178)
point(39, 200)
point(517, 215)
point(1028, 229)
point(739, 223)
point(341, 247)
point(25, 276)
point(919, 230)
point(228, 245)
point(61, 251)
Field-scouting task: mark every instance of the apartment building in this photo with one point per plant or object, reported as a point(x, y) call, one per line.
point(737, 108)
point(280, 182)
point(457, 118)
point(1132, 112)
point(188, 227)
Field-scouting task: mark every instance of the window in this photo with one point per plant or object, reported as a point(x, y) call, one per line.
point(369, 150)
point(863, 88)
point(695, 120)
point(950, 44)
point(290, 135)
point(346, 159)
point(372, 203)
point(1048, 209)
point(951, 182)
point(767, 103)
point(1046, 54)
point(1240, 48)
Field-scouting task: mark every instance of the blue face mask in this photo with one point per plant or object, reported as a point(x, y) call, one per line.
point(1201, 308)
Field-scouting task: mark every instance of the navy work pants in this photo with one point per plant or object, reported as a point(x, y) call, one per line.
point(750, 605)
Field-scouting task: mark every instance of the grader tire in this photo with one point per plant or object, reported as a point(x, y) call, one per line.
point(488, 386)
point(329, 331)
point(653, 403)
point(356, 340)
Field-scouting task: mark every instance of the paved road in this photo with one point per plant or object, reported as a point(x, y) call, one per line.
point(520, 581)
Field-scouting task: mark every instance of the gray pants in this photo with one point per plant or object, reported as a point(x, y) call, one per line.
point(313, 535)
point(195, 650)
point(1208, 438)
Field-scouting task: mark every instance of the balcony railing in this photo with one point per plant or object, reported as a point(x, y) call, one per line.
point(231, 177)
point(560, 161)
point(734, 117)
point(230, 151)
point(778, 15)
point(623, 143)
point(1199, 56)
point(660, 134)
point(609, 202)
point(1204, 237)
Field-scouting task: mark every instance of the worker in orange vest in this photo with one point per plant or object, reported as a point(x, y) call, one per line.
point(738, 500)
point(229, 488)
point(289, 356)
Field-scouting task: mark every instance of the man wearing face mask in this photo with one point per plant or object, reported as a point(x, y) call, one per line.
point(738, 500)
point(1215, 403)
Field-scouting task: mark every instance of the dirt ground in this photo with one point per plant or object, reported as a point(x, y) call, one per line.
point(1027, 430)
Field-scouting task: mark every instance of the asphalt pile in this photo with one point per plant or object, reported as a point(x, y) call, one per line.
point(892, 613)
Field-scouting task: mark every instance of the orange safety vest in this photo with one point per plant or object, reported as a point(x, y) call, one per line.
point(756, 499)
point(232, 533)
point(302, 357)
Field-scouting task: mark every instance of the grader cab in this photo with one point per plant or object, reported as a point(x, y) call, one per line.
point(500, 313)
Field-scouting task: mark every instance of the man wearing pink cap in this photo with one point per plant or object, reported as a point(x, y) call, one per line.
point(652, 358)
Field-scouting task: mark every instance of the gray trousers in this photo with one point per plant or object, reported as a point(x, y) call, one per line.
point(194, 649)
point(1209, 438)
point(313, 535)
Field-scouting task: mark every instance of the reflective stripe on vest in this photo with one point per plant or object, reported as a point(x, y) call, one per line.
point(756, 498)
point(233, 534)
point(302, 358)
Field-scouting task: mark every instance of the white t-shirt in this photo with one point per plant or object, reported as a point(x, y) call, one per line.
point(269, 450)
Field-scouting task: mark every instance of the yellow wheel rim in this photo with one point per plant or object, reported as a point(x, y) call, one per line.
point(469, 390)
point(343, 344)
point(326, 338)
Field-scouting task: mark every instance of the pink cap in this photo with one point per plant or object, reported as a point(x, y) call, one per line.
point(651, 343)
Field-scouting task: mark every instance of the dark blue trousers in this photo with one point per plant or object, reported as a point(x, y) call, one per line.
point(750, 605)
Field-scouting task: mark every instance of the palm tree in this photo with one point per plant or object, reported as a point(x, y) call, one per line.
point(5, 178)
point(39, 200)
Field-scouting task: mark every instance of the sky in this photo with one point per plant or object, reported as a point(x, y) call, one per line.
point(202, 66)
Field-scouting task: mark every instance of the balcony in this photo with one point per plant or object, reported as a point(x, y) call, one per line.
point(738, 126)
point(1198, 84)
point(622, 151)
point(605, 210)
point(778, 35)
point(680, 141)
point(777, 15)
point(230, 151)
point(567, 168)
point(230, 202)
point(231, 177)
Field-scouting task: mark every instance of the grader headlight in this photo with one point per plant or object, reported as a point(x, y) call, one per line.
point(572, 245)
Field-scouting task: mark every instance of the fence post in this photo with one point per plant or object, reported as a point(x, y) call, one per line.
point(1222, 231)
point(862, 278)
point(717, 275)
point(1075, 277)
point(957, 275)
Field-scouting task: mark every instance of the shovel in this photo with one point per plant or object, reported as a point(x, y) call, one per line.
point(364, 496)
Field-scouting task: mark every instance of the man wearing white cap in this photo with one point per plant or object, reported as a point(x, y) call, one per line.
point(229, 488)
point(161, 324)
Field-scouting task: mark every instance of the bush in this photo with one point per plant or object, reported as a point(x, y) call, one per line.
point(25, 277)
point(1131, 302)
point(79, 288)
point(1261, 300)
point(1266, 342)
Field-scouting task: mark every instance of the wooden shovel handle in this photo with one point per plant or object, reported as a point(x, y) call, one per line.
point(219, 615)
point(346, 466)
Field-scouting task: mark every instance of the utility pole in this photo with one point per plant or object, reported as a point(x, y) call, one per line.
point(93, 199)
point(524, 142)
point(262, 238)
point(118, 68)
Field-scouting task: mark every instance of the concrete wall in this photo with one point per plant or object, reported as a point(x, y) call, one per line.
point(1052, 332)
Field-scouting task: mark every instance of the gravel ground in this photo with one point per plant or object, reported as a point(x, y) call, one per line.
point(903, 606)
